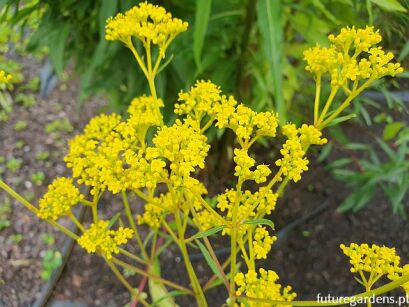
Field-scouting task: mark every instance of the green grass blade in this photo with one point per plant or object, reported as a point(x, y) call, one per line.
point(203, 8)
point(270, 23)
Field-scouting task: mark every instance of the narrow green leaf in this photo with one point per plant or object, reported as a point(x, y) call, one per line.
point(404, 52)
point(203, 8)
point(113, 220)
point(389, 5)
point(325, 152)
point(57, 39)
point(209, 260)
point(391, 130)
point(341, 119)
point(270, 24)
point(107, 9)
point(209, 232)
point(164, 298)
point(158, 291)
point(260, 222)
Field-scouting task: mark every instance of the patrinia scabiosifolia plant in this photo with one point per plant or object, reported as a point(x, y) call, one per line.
point(115, 155)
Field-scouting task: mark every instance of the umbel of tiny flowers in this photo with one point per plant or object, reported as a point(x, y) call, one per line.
point(353, 61)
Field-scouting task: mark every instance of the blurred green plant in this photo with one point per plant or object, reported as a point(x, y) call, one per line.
point(59, 126)
point(37, 178)
point(5, 210)
point(258, 43)
point(14, 164)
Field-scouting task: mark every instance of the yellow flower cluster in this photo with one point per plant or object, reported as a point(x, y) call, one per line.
point(245, 122)
point(243, 164)
point(99, 238)
point(352, 56)
point(372, 259)
point(147, 22)
point(60, 197)
point(294, 163)
point(109, 154)
point(404, 272)
point(264, 286)
point(5, 78)
point(143, 111)
point(251, 204)
point(262, 242)
point(202, 98)
point(185, 148)
point(155, 211)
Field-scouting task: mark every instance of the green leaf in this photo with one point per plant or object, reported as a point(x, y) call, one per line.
point(209, 232)
point(209, 260)
point(203, 8)
point(270, 24)
point(341, 119)
point(107, 9)
point(325, 152)
point(113, 220)
point(260, 222)
point(389, 5)
point(164, 298)
point(404, 52)
point(158, 291)
point(391, 130)
point(57, 42)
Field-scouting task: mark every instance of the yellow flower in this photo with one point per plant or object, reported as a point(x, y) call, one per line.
point(245, 122)
point(373, 259)
point(147, 22)
point(143, 111)
point(262, 242)
point(5, 78)
point(99, 238)
point(184, 147)
point(203, 98)
point(109, 155)
point(353, 56)
point(264, 286)
point(251, 204)
point(156, 210)
point(294, 163)
point(60, 197)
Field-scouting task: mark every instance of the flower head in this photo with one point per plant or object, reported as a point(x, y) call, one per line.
point(147, 22)
point(99, 238)
point(264, 286)
point(262, 242)
point(60, 197)
point(353, 56)
point(376, 260)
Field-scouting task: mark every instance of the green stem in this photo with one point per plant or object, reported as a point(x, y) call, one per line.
point(317, 99)
point(133, 226)
point(197, 288)
point(331, 97)
point(151, 276)
point(345, 104)
point(18, 197)
point(233, 244)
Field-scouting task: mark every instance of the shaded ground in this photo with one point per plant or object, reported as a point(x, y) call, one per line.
point(309, 258)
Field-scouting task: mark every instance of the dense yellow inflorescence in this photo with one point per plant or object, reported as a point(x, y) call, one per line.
point(99, 238)
point(5, 78)
point(147, 22)
point(263, 285)
point(262, 242)
point(352, 56)
point(60, 197)
point(376, 260)
point(294, 163)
